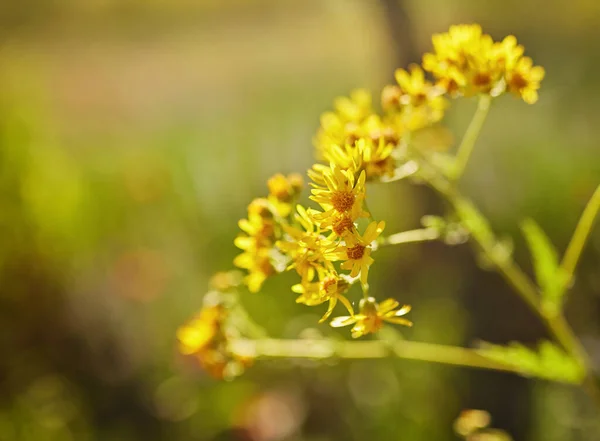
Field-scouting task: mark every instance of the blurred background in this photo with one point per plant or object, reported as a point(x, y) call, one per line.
point(134, 133)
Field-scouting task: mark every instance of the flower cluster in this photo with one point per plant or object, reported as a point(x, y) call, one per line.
point(262, 227)
point(207, 335)
point(330, 245)
point(467, 62)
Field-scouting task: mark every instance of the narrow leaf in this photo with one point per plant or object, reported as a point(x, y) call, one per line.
point(582, 231)
point(550, 277)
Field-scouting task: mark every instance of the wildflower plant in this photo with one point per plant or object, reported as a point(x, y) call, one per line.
point(332, 243)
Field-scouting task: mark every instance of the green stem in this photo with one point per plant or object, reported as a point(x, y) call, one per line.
point(516, 277)
point(468, 142)
point(373, 349)
point(580, 236)
point(420, 235)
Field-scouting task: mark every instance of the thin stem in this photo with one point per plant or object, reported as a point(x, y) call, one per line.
point(582, 231)
point(468, 142)
point(516, 277)
point(374, 349)
point(420, 235)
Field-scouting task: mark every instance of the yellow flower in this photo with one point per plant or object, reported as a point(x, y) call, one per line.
point(259, 266)
point(463, 60)
point(352, 120)
point(415, 103)
point(357, 251)
point(199, 332)
point(372, 316)
point(524, 79)
point(225, 280)
point(283, 191)
point(257, 243)
point(341, 194)
point(306, 247)
point(467, 62)
point(206, 337)
point(331, 288)
point(374, 157)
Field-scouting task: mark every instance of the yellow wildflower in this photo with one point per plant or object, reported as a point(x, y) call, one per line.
point(357, 251)
point(307, 248)
point(374, 157)
point(524, 79)
point(257, 243)
point(463, 60)
point(205, 336)
point(331, 288)
point(341, 194)
point(283, 191)
point(467, 62)
point(259, 266)
point(372, 316)
point(415, 103)
point(352, 120)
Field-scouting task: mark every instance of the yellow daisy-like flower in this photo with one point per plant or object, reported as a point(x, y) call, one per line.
point(524, 79)
point(372, 316)
point(467, 62)
point(415, 103)
point(283, 191)
point(330, 289)
point(205, 337)
point(353, 119)
point(256, 242)
point(199, 332)
point(463, 60)
point(357, 251)
point(259, 266)
point(374, 157)
point(341, 194)
point(308, 250)
point(344, 122)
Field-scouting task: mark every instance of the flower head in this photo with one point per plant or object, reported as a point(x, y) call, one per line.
point(330, 289)
point(357, 251)
point(524, 79)
point(352, 119)
point(340, 194)
point(308, 250)
point(374, 157)
point(256, 241)
point(372, 316)
point(206, 337)
point(414, 103)
point(465, 61)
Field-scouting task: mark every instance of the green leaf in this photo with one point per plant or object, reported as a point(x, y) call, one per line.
point(548, 361)
point(551, 278)
point(475, 222)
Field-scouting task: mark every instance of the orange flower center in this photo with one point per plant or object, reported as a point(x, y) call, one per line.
point(518, 82)
point(329, 285)
point(342, 200)
point(356, 252)
point(342, 225)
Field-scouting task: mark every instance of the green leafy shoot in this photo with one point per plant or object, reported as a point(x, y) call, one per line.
point(550, 277)
point(548, 362)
